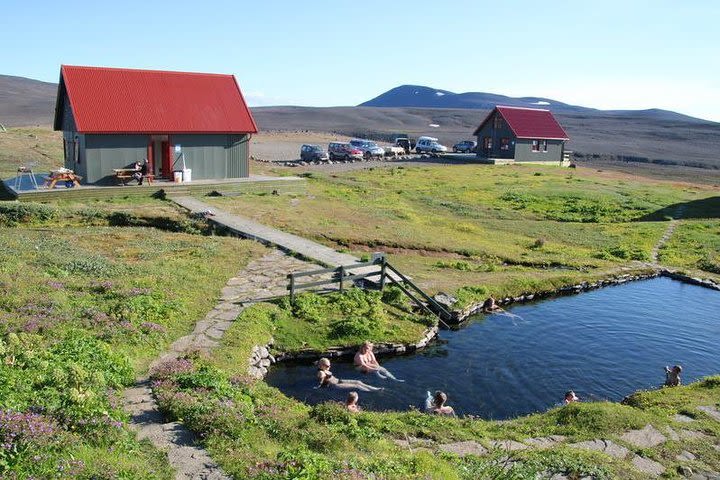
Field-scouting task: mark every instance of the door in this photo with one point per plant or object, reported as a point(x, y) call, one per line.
point(166, 160)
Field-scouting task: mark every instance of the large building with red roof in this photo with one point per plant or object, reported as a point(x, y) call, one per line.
point(114, 117)
point(521, 135)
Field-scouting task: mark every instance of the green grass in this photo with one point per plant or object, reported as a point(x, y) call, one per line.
point(84, 307)
point(506, 229)
point(695, 245)
point(39, 145)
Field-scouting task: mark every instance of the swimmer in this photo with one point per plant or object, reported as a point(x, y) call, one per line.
point(491, 306)
point(672, 376)
point(326, 379)
point(367, 363)
point(570, 397)
point(436, 404)
point(351, 403)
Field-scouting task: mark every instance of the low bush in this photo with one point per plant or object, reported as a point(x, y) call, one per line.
point(12, 214)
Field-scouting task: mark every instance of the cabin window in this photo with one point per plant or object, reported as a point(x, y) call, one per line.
point(543, 145)
point(498, 122)
point(536, 145)
point(504, 144)
point(487, 143)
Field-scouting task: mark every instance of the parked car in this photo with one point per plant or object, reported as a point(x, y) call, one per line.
point(429, 145)
point(405, 143)
point(309, 153)
point(343, 150)
point(466, 146)
point(368, 147)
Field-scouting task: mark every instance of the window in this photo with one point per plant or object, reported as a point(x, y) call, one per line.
point(487, 143)
point(504, 144)
point(543, 145)
point(536, 145)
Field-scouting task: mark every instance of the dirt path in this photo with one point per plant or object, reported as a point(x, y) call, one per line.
point(259, 280)
point(677, 216)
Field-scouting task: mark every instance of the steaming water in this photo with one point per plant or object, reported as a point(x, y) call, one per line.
point(603, 344)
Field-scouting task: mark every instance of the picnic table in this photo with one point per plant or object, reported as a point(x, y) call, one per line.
point(66, 176)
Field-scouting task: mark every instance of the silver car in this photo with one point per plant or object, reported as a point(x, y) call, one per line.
point(368, 147)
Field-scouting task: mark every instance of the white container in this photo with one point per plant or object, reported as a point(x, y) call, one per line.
point(178, 177)
point(187, 175)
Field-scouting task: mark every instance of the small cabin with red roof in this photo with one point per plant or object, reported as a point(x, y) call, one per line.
point(114, 117)
point(515, 134)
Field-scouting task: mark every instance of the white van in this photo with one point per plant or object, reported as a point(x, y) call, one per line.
point(429, 145)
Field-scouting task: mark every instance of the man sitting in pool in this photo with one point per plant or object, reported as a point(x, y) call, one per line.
point(491, 306)
point(436, 404)
point(367, 363)
point(326, 378)
point(570, 397)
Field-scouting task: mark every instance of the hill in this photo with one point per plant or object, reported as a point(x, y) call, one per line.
point(24, 101)
point(427, 97)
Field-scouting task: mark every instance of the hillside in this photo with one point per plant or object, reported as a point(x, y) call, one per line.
point(24, 101)
point(630, 134)
point(427, 97)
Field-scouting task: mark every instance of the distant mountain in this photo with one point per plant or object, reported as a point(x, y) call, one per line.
point(24, 101)
point(418, 96)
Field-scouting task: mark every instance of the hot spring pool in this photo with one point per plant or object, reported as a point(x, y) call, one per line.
point(604, 344)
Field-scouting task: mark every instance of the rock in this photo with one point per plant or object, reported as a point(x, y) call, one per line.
point(684, 470)
point(445, 299)
point(648, 466)
point(264, 352)
point(683, 418)
point(545, 442)
point(712, 411)
point(606, 446)
point(672, 434)
point(272, 359)
point(648, 437)
point(685, 456)
point(508, 445)
point(692, 435)
point(265, 362)
point(464, 448)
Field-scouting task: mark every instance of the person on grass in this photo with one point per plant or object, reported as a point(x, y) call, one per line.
point(367, 363)
point(327, 379)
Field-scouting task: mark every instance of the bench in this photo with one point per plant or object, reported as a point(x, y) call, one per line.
point(124, 175)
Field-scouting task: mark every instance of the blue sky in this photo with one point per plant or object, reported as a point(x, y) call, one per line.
point(610, 54)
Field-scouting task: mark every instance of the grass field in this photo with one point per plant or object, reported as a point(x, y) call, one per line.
point(508, 229)
point(84, 306)
point(39, 145)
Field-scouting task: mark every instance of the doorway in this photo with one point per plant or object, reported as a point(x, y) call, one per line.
point(162, 159)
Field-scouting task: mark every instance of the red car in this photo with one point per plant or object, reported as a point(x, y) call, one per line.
point(344, 151)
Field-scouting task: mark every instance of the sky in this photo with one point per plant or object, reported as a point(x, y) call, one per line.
point(630, 54)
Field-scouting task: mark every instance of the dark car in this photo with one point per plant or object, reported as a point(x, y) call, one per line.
point(466, 146)
point(344, 151)
point(309, 153)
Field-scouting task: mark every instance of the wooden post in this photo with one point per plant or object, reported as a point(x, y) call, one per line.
point(383, 272)
point(292, 288)
point(342, 274)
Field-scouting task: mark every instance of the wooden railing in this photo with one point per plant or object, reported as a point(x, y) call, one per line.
point(377, 267)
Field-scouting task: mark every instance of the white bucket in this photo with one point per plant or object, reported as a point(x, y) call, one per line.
point(178, 177)
point(187, 175)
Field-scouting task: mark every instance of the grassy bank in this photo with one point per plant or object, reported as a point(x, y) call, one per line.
point(84, 306)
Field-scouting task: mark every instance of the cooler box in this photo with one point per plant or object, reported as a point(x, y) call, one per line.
point(178, 176)
point(187, 175)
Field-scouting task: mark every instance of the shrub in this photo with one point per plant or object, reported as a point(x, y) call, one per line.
point(309, 307)
point(12, 214)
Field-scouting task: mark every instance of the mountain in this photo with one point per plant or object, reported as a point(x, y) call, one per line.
point(24, 101)
point(426, 97)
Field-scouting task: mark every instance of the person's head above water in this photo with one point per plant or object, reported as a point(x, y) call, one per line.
point(570, 397)
point(323, 363)
point(367, 346)
point(352, 398)
point(439, 398)
point(677, 368)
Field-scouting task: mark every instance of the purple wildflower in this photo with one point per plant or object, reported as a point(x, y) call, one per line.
point(172, 367)
point(134, 292)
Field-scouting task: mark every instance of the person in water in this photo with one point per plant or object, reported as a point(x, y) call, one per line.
point(570, 397)
point(436, 404)
point(672, 376)
point(351, 403)
point(491, 306)
point(327, 379)
point(367, 363)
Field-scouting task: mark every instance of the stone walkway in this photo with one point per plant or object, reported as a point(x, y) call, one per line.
point(261, 279)
point(643, 439)
point(253, 230)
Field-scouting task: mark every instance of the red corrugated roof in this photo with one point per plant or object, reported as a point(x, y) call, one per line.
point(118, 100)
point(529, 123)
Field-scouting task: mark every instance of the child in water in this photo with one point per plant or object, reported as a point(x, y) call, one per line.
point(436, 404)
point(352, 402)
